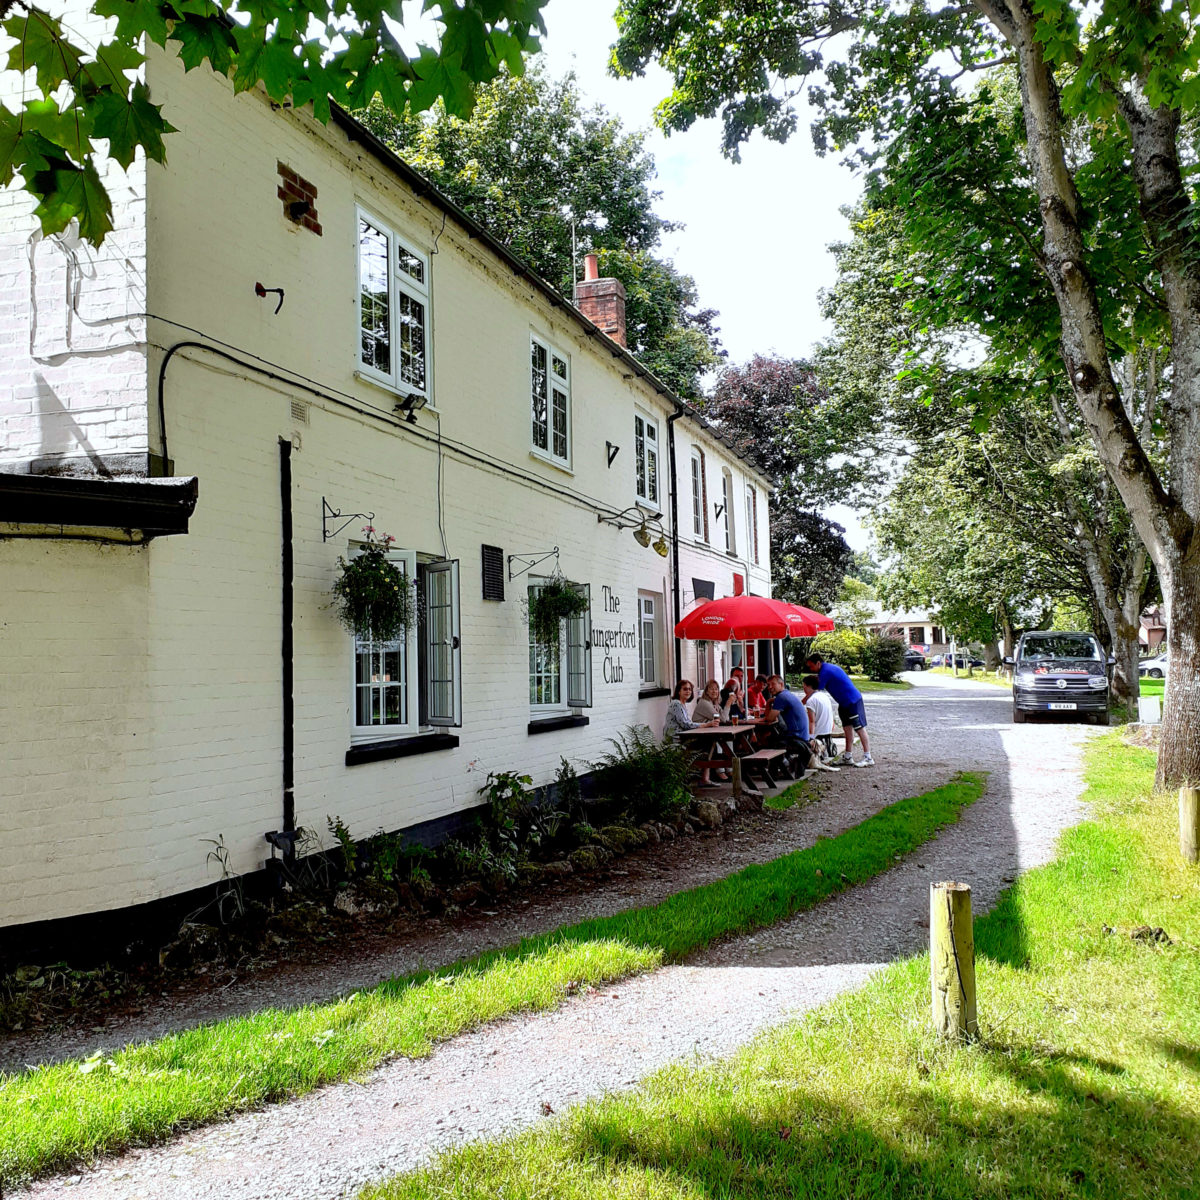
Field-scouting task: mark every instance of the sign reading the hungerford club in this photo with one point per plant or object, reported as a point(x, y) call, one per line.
point(610, 639)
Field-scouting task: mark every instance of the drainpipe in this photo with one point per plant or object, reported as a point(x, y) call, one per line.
point(675, 606)
point(287, 649)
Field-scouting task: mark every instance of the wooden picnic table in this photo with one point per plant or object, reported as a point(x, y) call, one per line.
point(724, 741)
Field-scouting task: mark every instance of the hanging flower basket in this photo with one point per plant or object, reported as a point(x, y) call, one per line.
point(372, 596)
point(554, 602)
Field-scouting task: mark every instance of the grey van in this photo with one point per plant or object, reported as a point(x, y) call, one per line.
point(1060, 672)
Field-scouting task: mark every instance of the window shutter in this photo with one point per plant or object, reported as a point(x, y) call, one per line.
point(443, 650)
point(493, 572)
point(579, 656)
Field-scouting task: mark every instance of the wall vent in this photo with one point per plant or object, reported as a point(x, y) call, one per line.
point(299, 412)
point(493, 572)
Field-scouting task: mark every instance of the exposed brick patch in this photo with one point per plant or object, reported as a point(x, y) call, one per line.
point(296, 190)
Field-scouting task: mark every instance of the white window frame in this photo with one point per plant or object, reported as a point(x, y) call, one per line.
point(423, 706)
point(752, 521)
point(649, 613)
point(699, 496)
point(727, 515)
point(407, 561)
point(575, 642)
point(642, 453)
point(547, 452)
point(399, 283)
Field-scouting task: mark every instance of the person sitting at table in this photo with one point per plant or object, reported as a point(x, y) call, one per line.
point(789, 718)
point(756, 693)
point(731, 702)
point(709, 705)
point(677, 719)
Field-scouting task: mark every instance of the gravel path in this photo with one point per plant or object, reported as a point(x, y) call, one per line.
point(503, 1078)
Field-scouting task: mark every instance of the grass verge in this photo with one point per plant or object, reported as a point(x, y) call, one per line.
point(1084, 1083)
point(978, 676)
point(57, 1114)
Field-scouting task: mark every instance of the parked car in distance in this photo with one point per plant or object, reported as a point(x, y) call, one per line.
point(950, 660)
point(1060, 672)
point(914, 659)
point(1153, 668)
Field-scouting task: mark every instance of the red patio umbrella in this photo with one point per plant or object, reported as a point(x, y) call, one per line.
point(748, 617)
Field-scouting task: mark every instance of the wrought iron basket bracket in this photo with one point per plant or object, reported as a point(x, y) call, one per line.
point(530, 560)
point(330, 514)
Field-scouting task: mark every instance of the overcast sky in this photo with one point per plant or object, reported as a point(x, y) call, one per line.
point(756, 231)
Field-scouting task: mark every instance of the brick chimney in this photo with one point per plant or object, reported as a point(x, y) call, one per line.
point(602, 301)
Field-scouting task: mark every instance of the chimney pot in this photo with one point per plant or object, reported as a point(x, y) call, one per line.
point(591, 267)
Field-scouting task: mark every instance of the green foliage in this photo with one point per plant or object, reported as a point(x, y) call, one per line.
point(883, 657)
point(542, 169)
point(646, 777)
point(552, 603)
point(79, 95)
point(346, 844)
point(567, 790)
point(846, 647)
point(372, 596)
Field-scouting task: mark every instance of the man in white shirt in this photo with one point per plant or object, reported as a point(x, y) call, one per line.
point(820, 714)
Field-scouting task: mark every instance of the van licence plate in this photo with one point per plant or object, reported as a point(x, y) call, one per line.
point(1071, 707)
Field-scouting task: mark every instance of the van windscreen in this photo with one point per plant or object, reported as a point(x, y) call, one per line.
point(1061, 645)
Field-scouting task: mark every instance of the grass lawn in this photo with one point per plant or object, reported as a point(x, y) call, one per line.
point(1085, 1081)
point(57, 1114)
point(873, 685)
point(1152, 687)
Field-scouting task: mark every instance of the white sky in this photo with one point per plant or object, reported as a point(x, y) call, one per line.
point(756, 231)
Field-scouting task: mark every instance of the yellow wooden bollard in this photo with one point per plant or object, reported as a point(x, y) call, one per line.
point(952, 960)
point(1189, 823)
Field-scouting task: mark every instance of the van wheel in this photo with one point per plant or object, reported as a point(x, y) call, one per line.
point(1155, 673)
point(1018, 716)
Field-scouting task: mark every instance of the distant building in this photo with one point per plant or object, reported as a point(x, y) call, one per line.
point(1153, 630)
point(919, 629)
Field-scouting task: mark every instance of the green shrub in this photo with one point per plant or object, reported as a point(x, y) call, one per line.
point(645, 777)
point(846, 647)
point(883, 657)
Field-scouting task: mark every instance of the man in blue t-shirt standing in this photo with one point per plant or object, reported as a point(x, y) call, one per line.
point(849, 701)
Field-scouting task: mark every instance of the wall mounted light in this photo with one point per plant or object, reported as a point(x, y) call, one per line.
point(660, 547)
point(411, 405)
point(642, 535)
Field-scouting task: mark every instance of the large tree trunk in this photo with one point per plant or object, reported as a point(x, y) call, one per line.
point(1179, 753)
point(1165, 521)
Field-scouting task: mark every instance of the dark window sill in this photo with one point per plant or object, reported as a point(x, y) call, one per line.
point(423, 743)
point(651, 693)
point(550, 724)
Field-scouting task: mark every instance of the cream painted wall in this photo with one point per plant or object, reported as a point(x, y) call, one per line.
point(158, 721)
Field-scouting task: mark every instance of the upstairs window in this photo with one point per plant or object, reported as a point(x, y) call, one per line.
point(699, 496)
point(727, 512)
point(752, 522)
point(393, 309)
point(550, 386)
point(645, 453)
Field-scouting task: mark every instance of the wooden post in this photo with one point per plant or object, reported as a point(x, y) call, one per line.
point(735, 774)
point(1189, 823)
point(952, 960)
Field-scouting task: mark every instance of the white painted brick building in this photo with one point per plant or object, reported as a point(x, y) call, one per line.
point(143, 706)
